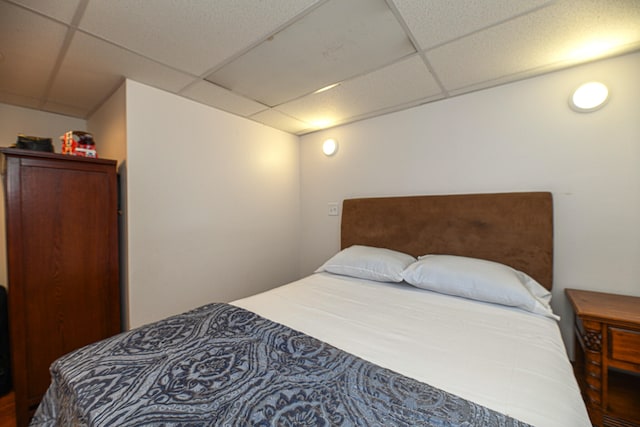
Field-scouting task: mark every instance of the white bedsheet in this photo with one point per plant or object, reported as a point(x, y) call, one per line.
point(505, 359)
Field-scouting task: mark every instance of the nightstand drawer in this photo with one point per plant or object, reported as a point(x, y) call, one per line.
point(625, 345)
point(607, 337)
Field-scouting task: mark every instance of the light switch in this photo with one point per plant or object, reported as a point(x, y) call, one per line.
point(333, 209)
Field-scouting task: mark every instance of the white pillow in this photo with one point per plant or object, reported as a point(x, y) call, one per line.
point(367, 262)
point(540, 292)
point(479, 280)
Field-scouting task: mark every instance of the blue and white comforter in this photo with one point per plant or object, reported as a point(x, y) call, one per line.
point(223, 365)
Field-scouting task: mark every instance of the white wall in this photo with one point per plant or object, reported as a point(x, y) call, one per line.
point(517, 137)
point(213, 205)
point(15, 120)
point(109, 128)
point(108, 125)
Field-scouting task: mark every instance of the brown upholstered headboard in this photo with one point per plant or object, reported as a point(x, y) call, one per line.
point(515, 229)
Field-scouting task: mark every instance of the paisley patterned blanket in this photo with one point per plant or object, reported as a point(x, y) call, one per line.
point(223, 365)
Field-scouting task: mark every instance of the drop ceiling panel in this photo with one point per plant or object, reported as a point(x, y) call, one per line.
point(404, 82)
point(92, 70)
point(67, 110)
point(433, 22)
point(280, 121)
point(19, 100)
point(276, 53)
point(560, 35)
point(215, 96)
point(193, 35)
point(338, 40)
point(29, 44)
point(62, 10)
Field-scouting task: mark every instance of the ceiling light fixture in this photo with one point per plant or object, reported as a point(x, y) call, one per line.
point(589, 97)
point(594, 49)
point(329, 147)
point(322, 123)
point(326, 88)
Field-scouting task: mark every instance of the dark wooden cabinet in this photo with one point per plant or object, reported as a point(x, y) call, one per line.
point(607, 362)
point(62, 262)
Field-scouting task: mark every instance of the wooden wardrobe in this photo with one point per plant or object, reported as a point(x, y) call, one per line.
point(62, 262)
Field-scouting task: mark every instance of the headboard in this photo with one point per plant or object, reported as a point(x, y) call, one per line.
point(515, 229)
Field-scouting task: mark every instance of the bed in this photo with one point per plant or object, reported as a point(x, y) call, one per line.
point(434, 312)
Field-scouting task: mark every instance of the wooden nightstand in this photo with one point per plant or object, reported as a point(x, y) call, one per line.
point(607, 356)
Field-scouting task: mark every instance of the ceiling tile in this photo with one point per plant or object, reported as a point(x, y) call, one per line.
point(280, 121)
point(215, 96)
point(338, 40)
point(20, 100)
point(564, 34)
point(278, 52)
point(68, 110)
point(193, 35)
point(433, 22)
point(62, 10)
point(29, 44)
point(405, 82)
point(92, 69)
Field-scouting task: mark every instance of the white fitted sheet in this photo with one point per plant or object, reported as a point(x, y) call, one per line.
point(508, 360)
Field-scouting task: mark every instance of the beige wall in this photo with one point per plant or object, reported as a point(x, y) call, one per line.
point(15, 120)
point(109, 126)
point(212, 205)
point(516, 137)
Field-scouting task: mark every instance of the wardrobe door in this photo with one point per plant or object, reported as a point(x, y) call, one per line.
point(63, 271)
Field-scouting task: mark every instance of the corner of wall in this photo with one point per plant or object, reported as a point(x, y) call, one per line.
point(108, 125)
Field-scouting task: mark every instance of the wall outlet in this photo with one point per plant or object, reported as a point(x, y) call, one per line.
point(333, 209)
